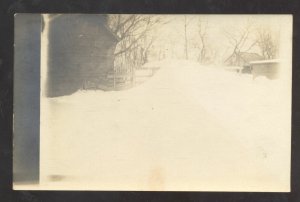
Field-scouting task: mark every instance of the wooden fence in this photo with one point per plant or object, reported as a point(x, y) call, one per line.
point(120, 80)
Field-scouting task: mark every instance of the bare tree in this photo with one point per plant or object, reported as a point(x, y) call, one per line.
point(147, 44)
point(267, 42)
point(185, 38)
point(134, 42)
point(240, 42)
point(132, 48)
point(202, 32)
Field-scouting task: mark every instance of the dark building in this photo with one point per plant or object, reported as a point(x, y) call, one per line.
point(81, 50)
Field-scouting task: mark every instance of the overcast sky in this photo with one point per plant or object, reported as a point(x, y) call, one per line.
point(171, 34)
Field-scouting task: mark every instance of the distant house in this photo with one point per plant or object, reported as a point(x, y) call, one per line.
point(81, 51)
point(242, 61)
point(267, 68)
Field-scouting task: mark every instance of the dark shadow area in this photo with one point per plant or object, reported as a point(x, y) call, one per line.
point(81, 51)
point(26, 98)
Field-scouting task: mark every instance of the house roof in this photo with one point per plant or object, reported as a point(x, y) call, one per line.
point(265, 61)
point(248, 57)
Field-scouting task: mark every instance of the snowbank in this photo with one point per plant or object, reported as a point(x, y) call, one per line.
point(194, 127)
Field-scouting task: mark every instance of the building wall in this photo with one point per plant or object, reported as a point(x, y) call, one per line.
point(80, 49)
point(269, 70)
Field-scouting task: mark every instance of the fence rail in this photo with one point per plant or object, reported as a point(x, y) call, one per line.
point(121, 80)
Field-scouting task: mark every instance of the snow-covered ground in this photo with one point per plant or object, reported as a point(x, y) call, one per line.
point(189, 127)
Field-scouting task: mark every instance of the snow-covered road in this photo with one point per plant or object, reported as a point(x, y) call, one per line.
point(190, 127)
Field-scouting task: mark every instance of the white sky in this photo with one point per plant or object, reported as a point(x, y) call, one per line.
point(171, 34)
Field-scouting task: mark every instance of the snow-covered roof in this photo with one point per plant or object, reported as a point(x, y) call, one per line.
point(265, 61)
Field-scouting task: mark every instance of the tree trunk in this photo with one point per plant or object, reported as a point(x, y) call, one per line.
point(185, 38)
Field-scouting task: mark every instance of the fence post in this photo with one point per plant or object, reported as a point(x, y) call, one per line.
point(133, 76)
point(114, 78)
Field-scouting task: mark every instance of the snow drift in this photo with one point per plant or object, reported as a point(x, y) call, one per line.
point(189, 127)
